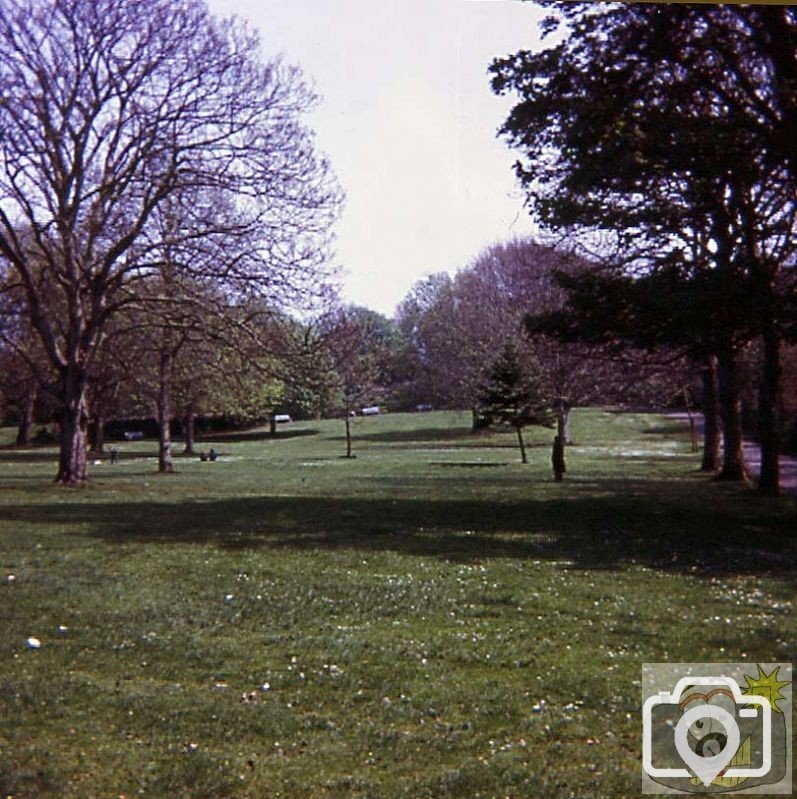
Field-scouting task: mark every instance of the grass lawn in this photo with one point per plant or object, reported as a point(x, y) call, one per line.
point(430, 619)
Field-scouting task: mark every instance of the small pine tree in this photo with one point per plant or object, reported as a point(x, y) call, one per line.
point(509, 396)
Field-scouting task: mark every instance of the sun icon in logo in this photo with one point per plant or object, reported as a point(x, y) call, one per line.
point(766, 685)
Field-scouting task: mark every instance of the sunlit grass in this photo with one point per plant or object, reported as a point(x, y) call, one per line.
point(430, 619)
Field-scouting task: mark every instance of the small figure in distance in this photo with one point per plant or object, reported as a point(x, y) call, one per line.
point(558, 459)
point(212, 454)
point(203, 456)
point(114, 455)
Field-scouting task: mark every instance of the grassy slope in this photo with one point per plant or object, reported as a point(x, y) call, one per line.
point(432, 618)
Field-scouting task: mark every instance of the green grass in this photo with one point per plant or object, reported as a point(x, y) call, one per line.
point(431, 619)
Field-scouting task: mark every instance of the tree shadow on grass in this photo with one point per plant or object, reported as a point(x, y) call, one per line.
point(668, 429)
point(423, 435)
point(589, 531)
point(435, 438)
point(229, 437)
point(27, 456)
point(24, 455)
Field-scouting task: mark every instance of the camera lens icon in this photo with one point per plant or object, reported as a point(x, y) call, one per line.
point(715, 750)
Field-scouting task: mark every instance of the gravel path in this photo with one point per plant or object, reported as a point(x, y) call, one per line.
point(752, 454)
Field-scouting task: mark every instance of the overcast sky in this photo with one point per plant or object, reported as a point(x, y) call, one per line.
point(409, 123)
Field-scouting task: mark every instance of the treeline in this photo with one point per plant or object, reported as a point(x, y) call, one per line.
point(448, 333)
point(456, 328)
point(184, 353)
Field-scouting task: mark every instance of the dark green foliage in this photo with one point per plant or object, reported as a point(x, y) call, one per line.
point(669, 128)
point(510, 396)
point(670, 307)
point(651, 110)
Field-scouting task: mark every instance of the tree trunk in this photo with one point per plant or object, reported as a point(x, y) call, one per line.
point(711, 417)
point(691, 417)
point(348, 432)
point(733, 465)
point(768, 433)
point(558, 459)
point(165, 464)
point(522, 444)
point(98, 444)
point(72, 459)
point(563, 422)
point(189, 432)
point(272, 425)
point(26, 417)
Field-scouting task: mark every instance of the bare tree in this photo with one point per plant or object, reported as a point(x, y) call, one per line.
point(111, 108)
point(353, 349)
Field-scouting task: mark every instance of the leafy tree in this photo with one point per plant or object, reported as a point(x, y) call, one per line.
point(442, 347)
point(353, 343)
point(456, 327)
point(20, 388)
point(110, 386)
point(616, 311)
point(26, 379)
point(510, 395)
point(413, 317)
point(112, 108)
point(667, 126)
point(19, 384)
point(789, 399)
point(189, 353)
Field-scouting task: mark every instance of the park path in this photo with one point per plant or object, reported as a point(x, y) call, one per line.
point(752, 454)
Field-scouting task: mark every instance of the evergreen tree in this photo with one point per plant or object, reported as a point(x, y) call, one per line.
point(509, 395)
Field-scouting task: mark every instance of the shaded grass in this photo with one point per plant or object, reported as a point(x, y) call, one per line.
point(635, 523)
point(424, 629)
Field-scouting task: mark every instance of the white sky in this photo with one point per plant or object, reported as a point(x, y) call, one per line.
point(409, 123)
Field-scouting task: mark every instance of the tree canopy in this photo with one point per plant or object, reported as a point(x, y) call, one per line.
point(133, 132)
point(666, 132)
point(511, 394)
